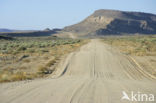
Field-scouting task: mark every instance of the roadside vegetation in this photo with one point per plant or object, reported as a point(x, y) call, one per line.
point(134, 45)
point(141, 48)
point(28, 58)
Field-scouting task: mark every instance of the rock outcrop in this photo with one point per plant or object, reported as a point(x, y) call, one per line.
point(106, 22)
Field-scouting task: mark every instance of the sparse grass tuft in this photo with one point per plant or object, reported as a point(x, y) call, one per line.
point(51, 62)
point(42, 69)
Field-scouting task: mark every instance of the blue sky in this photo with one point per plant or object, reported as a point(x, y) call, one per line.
point(40, 14)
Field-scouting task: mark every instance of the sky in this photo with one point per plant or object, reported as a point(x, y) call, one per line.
point(41, 14)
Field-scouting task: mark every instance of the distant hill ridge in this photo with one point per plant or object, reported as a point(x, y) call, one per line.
point(106, 22)
point(29, 33)
point(5, 30)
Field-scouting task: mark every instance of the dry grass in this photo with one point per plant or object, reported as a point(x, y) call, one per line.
point(28, 58)
point(43, 70)
point(141, 48)
point(51, 62)
point(134, 45)
point(7, 76)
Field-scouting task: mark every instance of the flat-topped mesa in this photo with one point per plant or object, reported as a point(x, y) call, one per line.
point(105, 22)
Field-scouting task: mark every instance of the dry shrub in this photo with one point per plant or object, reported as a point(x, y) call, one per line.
point(26, 60)
point(51, 62)
point(18, 76)
point(7, 76)
point(4, 77)
point(44, 70)
point(22, 68)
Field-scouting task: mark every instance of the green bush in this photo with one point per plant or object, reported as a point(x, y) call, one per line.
point(21, 48)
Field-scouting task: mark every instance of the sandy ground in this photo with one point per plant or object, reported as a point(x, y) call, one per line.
point(96, 73)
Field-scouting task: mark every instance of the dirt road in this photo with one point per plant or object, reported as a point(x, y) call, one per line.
point(96, 73)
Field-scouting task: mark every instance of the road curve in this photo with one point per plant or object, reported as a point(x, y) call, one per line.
point(97, 73)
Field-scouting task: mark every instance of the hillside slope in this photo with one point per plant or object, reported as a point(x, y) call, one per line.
point(103, 22)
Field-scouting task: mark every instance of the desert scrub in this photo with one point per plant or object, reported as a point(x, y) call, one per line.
point(134, 45)
point(44, 70)
point(7, 76)
point(24, 54)
point(51, 62)
point(30, 45)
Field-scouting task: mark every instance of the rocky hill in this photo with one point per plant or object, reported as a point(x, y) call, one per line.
point(106, 22)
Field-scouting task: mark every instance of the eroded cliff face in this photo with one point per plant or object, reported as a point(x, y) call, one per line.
point(103, 22)
point(90, 24)
point(118, 26)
